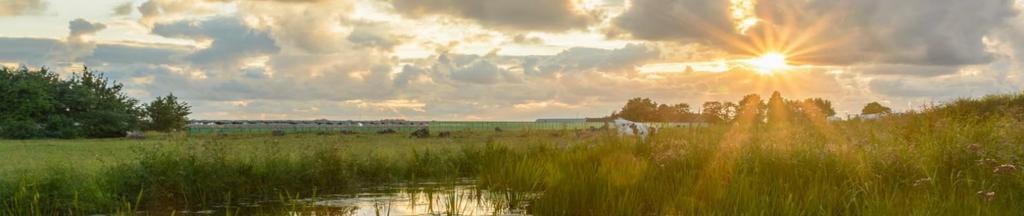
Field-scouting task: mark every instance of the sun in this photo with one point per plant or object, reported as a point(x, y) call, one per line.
point(769, 63)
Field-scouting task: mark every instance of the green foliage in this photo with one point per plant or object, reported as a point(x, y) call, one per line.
point(715, 112)
point(167, 114)
point(646, 110)
point(825, 106)
point(39, 104)
point(875, 108)
point(753, 105)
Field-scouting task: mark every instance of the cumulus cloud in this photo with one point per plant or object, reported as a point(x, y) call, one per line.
point(374, 35)
point(617, 60)
point(154, 11)
point(143, 54)
point(310, 28)
point(542, 15)
point(408, 74)
point(21, 7)
point(30, 51)
point(688, 20)
point(123, 9)
point(78, 38)
point(231, 41)
point(480, 72)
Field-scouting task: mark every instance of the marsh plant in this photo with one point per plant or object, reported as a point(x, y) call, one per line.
point(956, 159)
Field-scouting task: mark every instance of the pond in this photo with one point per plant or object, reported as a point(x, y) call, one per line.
point(419, 199)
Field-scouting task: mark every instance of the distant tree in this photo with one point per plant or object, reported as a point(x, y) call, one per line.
point(779, 111)
point(715, 112)
point(752, 105)
point(167, 114)
point(674, 113)
point(729, 110)
point(875, 108)
point(825, 106)
point(640, 110)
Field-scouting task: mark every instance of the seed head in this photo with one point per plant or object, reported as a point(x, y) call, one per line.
point(1005, 169)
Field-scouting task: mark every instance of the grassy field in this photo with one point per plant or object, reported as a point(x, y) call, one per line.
point(957, 159)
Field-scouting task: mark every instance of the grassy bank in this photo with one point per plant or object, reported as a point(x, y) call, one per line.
point(952, 160)
point(170, 172)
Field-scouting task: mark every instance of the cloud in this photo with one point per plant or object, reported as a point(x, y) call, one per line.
point(408, 74)
point(30, 51)
point(374, 35)
point(78, 40)
point(145, 54)
point(22, 7)
point(582, 59)
point(919, 32)
point(905, 70)
point(540, 15)
point(80, 27)
point(479, 72)
point(686, 20)
point(123, 9)
point(527, 40)
point(154, 11)
point(311, 28)
point(231, 41)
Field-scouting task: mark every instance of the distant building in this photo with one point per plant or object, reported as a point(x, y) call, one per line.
point(561, 120)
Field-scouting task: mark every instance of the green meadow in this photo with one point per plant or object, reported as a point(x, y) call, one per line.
point(955, 159)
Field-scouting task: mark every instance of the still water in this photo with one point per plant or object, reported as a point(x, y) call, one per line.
point(419, 199)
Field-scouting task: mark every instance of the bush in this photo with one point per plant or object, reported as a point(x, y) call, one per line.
point(38, 104)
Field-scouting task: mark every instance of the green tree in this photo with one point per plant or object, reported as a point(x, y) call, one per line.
point(875, 108)
point(825, 106)
point(167, 114)
point(99, 106)
point(28, 102)
point(714, 112)
point(779, 111)
point(752, 105)
point(37, 104)
point(639, 110)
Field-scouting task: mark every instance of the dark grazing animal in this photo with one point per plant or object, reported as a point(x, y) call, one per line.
point(420, 133)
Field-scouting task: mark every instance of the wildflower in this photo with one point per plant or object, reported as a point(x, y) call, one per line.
point(923, 181)
point(1005, 169)
point(987, 196)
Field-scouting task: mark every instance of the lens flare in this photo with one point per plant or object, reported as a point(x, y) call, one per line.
point(769, 63)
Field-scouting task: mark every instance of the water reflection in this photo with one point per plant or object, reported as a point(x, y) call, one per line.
point(419, 199)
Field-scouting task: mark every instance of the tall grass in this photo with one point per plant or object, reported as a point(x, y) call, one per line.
point(957, 159)
point(165, 177)
point(947, 160)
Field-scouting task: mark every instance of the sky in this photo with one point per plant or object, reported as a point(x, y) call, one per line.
point(520, 59)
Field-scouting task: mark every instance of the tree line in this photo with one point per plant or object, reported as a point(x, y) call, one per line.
point(41, 104)
point(775, 109)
